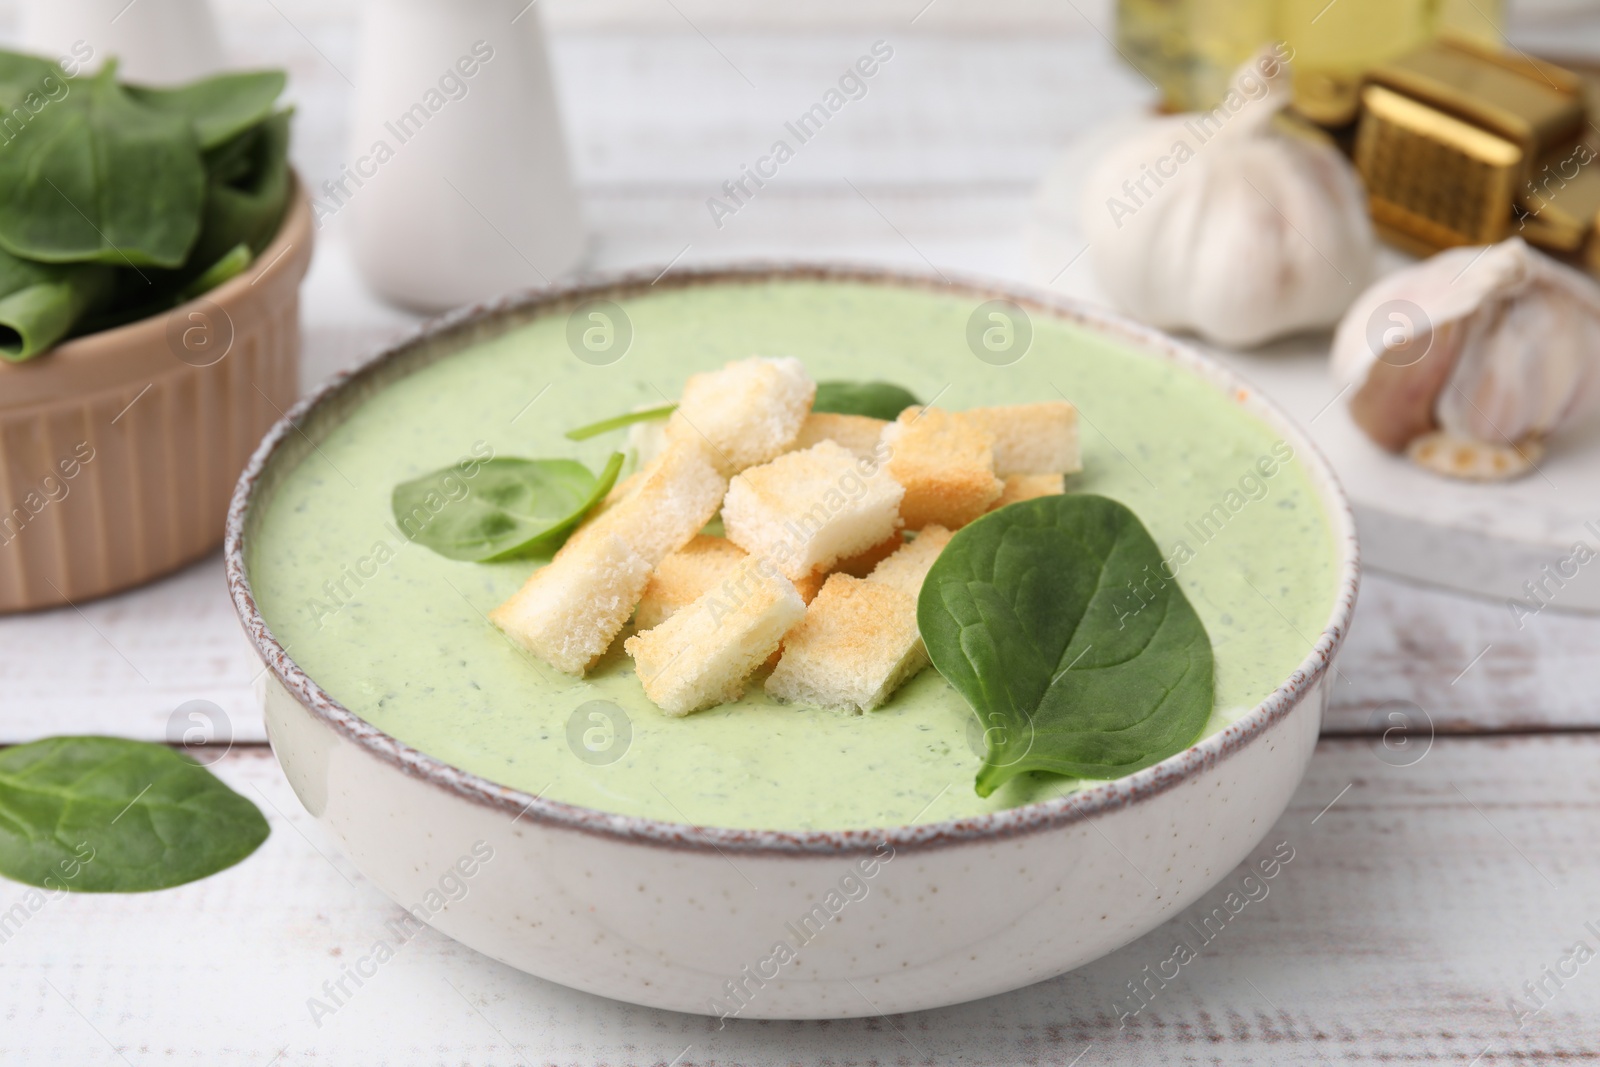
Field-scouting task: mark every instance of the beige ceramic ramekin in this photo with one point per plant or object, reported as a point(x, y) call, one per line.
point(118, 450)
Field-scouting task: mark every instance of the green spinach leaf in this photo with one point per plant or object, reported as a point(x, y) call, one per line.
point(229, 266)
point(220, 107)
point(40, 303)
point(878, 400)
point(107, 815)
point(97, 177)
point(247, 190)
point(502, 509)
point(1058, 621)
point(617, 422)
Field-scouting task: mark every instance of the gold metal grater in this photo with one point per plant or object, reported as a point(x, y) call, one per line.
point(1448, 137)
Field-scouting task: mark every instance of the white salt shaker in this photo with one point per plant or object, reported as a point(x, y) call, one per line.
point(157, 42)
point(457, 183)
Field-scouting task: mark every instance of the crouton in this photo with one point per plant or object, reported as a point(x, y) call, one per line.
point(804, 510)
point(857, 643)
point(665, 504)
point(569, 611)
point(687, 574)
point(946, 464)
point(906, 569)
point(702, 655)
point(1038, 438)
point(858, 433)
point(1028, 486)
point(748, 412)
point(860, 565)
point(684, 576)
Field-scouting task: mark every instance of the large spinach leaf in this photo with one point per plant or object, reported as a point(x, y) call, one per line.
point(1058, 621)
point(102, 814)
point(220, 107)
point(97, 177)
point(500, 508)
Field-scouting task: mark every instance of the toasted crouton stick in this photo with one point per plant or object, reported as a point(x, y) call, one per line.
point(1038, 438)
point(569, 611)
point(805, 510)
point(858, 642)
point(946, 464)
point(702, 655)
point(748, 412)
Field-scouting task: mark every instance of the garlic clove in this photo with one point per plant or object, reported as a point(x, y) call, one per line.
point(1498, 345)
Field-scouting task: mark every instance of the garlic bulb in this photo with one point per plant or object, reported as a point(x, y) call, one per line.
point(1225, 225)
point(1470, 359)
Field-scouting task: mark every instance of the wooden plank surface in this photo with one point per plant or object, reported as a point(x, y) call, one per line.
point(1418, 903)
point(1415, 907)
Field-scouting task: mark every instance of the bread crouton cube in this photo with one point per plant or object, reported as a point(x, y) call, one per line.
point(906, 569)
point(860, 565)
point(805, 510)
point(1038, 438)
point(748, 412)
point(689, 573)
point(568, 612)
point(684, 576)
point(857, 644)
point(1028, 487)
point(946, 464)
point(703, 654)
point(858, 433)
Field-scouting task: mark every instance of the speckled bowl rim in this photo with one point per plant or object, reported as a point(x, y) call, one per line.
point(1012, 822)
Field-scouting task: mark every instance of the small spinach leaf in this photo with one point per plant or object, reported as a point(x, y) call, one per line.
point(97, 177)
point(229, 266)
point(107, 815)
point(878, 400)
point(1058, 622)
point(617, 422)
point(219, 107)
point(504, 508)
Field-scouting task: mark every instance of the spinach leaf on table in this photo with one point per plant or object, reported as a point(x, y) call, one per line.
point(1058, 622)
point(104, 815)
point(220, 107)
point(97, 177)
point(877, 400)
point(507, 508)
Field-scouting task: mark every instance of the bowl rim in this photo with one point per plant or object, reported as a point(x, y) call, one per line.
point(1011, 822)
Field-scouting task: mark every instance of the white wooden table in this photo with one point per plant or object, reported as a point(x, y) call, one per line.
point(1421, 898)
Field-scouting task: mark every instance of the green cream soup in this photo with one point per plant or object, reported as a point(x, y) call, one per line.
point(399, 635)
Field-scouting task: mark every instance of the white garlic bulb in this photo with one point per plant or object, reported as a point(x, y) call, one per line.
point(1223, 224)
point(1468, 360)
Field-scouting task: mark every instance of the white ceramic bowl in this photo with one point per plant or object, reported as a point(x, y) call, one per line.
point(687, 918)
